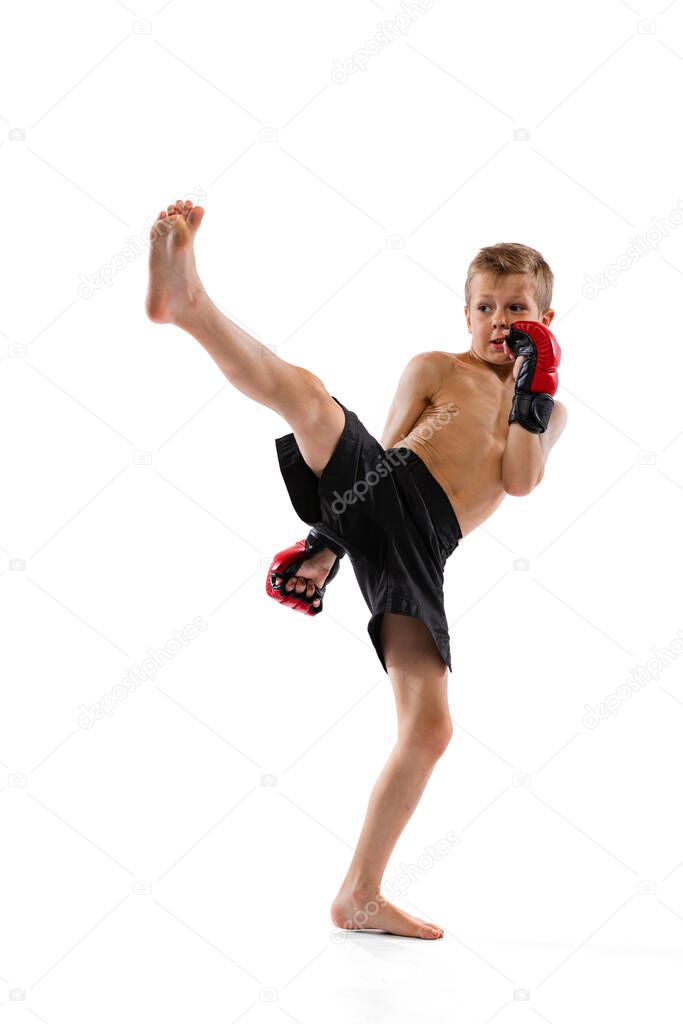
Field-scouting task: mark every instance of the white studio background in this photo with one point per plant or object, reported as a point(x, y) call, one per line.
point(178, 857)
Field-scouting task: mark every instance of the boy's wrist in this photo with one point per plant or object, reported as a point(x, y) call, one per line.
point(318, 540)
point(327, 556)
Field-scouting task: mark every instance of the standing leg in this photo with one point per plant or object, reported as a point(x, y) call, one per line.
point(419, 678)
point(176, 295)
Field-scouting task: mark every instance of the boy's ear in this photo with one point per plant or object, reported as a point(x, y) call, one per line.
point(467, 318)
point(547, 317)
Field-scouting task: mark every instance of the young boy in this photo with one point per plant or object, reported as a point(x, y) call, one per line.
point(464, 429)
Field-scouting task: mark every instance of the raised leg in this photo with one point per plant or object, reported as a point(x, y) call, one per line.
point(419, 678)
point(176, 295)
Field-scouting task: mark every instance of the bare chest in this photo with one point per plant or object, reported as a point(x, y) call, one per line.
point(461, 435)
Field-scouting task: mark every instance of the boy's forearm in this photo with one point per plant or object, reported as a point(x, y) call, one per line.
point(522, 460)
point(328, 557)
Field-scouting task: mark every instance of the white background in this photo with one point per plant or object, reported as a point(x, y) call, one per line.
point(341, 217)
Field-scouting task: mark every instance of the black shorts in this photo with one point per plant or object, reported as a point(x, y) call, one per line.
point(390, 515)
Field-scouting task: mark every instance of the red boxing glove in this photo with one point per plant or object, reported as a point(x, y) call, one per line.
point(286, 564)
point(536, 382)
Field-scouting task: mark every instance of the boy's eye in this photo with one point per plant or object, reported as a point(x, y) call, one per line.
point(515, 305)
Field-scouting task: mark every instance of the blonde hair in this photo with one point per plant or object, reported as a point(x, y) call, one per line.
point(513, 258)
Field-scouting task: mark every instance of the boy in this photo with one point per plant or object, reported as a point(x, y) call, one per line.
point(463, 430)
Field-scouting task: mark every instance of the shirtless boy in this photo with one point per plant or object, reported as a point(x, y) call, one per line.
point(450, 451)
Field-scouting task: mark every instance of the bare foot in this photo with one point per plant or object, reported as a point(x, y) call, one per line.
point(312, 573)
point(174, 286)
point(370, 910)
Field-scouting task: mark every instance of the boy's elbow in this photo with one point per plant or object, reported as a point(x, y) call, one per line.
point(518, 490)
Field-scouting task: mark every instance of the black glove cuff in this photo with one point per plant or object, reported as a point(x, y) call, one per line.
point(317, 541)
point(531, 410)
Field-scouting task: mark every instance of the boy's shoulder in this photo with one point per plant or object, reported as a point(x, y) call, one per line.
point(433, 353)
point(426, 370)
point(435, 359)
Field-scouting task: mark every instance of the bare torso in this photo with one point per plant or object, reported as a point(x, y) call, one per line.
point(461, 436)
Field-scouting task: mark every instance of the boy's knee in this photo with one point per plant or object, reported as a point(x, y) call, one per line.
point(305, 395)
point(429, 735)
point(309, 404)
point(313, 388)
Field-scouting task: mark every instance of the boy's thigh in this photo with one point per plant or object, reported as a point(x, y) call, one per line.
point(317, 428)
point(358, 497)
point(316, 419)
point(412, 658)
point(340, 480)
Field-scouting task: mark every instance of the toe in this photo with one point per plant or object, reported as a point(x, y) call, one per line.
point(195, 215)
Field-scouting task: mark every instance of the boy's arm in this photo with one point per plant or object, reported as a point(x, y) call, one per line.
point(417, 384)
point(525, 453)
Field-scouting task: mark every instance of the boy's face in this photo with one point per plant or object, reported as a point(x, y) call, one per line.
point(495, 304)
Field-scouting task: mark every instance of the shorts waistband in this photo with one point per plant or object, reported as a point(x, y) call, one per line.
point(441, 511)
